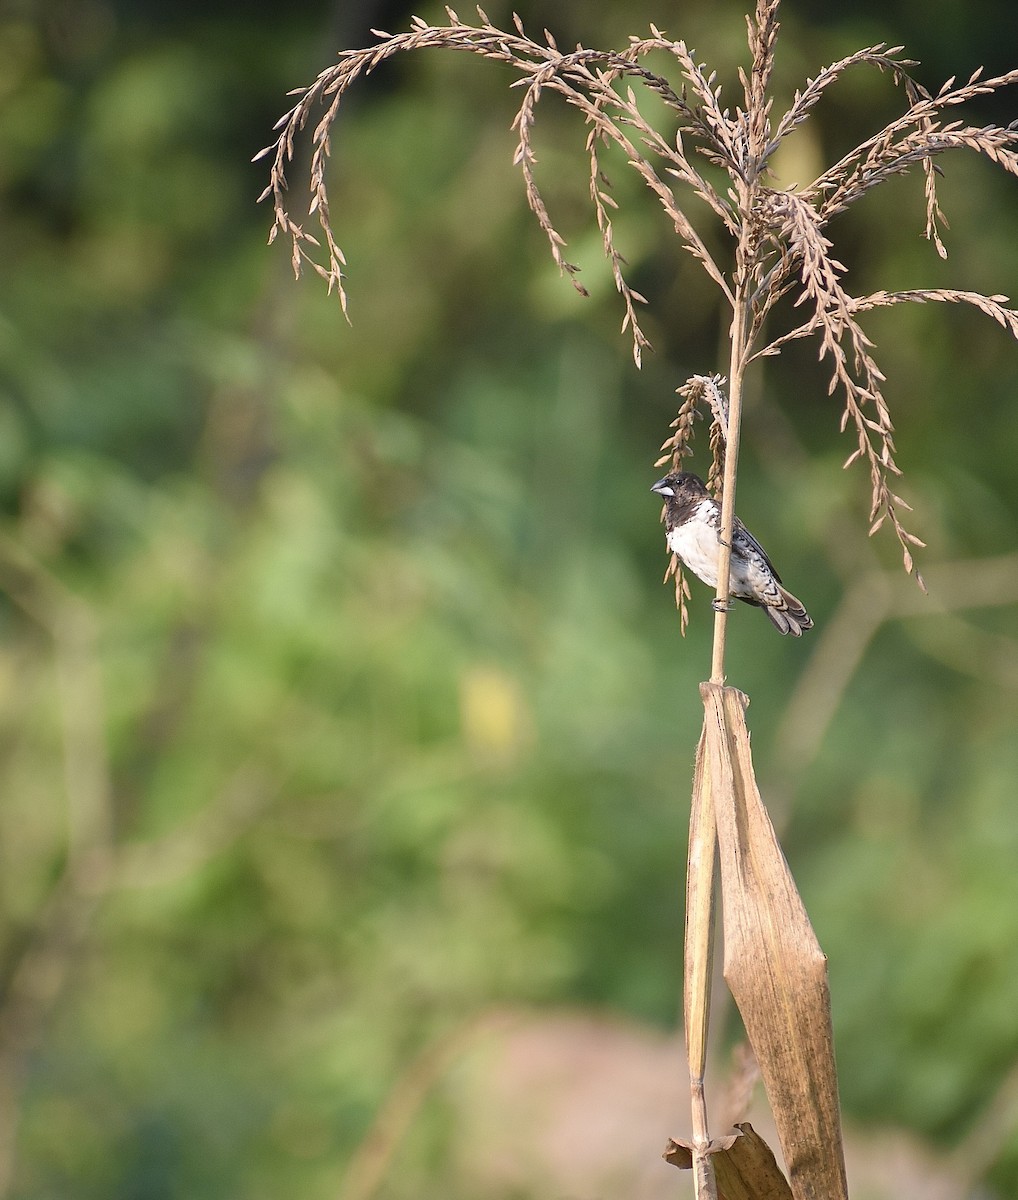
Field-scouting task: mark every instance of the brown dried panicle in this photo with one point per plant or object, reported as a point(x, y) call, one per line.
point(779, 236)
point(699, 392)
point(673, 449)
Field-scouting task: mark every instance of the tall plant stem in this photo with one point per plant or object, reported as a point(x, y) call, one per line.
point(740, 337)
point(699, 959)
point(700, 901)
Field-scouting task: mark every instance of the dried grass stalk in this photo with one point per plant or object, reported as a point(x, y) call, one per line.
point(699, 958)
point(778, 244)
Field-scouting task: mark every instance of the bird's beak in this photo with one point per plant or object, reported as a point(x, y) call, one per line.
point(662, 487)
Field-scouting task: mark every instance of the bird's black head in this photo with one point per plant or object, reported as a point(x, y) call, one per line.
point(680, 485)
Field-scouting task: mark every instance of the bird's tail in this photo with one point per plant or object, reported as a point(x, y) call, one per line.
point(790, 615)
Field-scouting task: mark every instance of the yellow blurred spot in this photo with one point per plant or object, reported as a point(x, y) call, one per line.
point(300, 1132)
point(126, 1009)
point(493, 713)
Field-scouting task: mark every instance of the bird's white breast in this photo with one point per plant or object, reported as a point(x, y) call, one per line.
point(696, 543)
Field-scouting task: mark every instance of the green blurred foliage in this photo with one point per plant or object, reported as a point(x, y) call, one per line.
point(395, 719)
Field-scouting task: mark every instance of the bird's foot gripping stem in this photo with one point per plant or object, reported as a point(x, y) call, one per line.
point(721, 605)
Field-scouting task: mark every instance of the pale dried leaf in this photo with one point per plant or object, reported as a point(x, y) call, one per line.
point(773, 964)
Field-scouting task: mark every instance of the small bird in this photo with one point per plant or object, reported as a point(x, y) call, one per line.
point(693, 529)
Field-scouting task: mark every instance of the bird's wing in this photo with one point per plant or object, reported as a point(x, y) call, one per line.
point(743, 540)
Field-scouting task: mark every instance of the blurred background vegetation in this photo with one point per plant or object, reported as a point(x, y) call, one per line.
point(341, 702)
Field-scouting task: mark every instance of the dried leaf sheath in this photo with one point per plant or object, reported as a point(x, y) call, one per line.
point(773, 963)
point(743, 1164)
